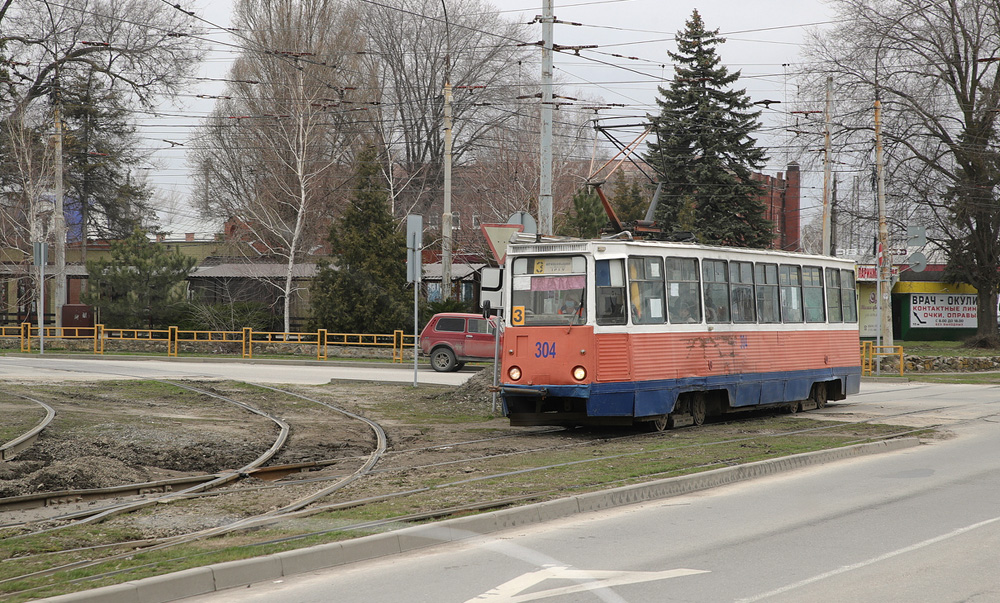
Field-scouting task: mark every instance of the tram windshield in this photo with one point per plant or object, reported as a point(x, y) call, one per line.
point(549, 290)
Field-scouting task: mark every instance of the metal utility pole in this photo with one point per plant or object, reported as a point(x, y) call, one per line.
point(58, 221)
point(446, 211)
point(826, 168)
point(884, 260)
point(545, 179)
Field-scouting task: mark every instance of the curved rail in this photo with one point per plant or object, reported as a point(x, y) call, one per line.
point(11, 448)
point(85, 517)
point(274, 516)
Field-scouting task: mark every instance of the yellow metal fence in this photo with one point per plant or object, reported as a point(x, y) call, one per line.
point(173, 338)
point(871, 353)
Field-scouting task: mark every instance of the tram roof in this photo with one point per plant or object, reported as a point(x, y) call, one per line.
point(527, 244)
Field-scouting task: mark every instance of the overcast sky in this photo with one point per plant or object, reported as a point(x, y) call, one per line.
point(764, 39)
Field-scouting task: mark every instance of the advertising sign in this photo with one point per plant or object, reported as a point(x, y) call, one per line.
point(868, 324)
point(943, 311)
point(869, 272)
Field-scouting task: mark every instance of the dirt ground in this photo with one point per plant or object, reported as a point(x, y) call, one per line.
point(115, 433)
point(108, 434)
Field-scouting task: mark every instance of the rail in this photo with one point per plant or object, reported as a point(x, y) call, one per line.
point(11, 448)
point(173, 339)
point(870, 352)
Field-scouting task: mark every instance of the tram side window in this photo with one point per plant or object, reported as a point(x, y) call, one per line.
point(812, 294)
point(790, 281)
point(646, 290)
point(766, 276)
point(833, 309)
point(848, 296)
point(610, 288)
point(683, 290)
point(716, 290)
point(741, 286)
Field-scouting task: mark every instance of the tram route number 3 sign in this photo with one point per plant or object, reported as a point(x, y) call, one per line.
point(944, 311)
point(517, 316)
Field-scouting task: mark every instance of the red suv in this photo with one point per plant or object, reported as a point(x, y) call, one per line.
point(451, 339)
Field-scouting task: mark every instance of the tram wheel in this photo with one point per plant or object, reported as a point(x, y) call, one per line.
point(819, 395)
point(792, 408)
point(699, 409)
point(660, 423)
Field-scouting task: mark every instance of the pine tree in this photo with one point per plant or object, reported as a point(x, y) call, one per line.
point(364, 291)
point(704, 151)
point(138, 285)
point(586, 218)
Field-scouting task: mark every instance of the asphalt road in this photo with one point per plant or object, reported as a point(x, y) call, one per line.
point(66, 368)
point(922, 524)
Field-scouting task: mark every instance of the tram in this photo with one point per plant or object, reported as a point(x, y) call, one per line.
point(664, 334)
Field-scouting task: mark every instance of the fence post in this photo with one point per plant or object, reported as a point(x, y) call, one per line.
point(172, 343)
point(247, 342)
point(25, 336)
point(321, 344)
point(397, 345)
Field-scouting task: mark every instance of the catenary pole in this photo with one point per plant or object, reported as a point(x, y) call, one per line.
point(545, 151)
point(446, 211)
point(826, 168)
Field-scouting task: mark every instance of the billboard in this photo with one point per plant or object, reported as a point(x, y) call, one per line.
point(943, 311)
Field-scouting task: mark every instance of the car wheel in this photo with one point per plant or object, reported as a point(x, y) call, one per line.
point(443, 360)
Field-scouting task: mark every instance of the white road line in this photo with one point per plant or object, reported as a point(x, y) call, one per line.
point(872, 561)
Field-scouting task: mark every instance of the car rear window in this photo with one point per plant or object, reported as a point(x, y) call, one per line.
point(452, 325)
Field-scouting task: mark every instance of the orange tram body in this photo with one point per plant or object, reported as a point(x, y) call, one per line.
point(617, 332)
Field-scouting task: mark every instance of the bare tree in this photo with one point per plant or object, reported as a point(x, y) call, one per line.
point(414, 46)
point(933, 64)
point(275, 152)
point(139, 48)
point(143, 46)
point(25, 211)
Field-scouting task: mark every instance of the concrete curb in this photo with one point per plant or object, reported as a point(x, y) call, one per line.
point(220, 576)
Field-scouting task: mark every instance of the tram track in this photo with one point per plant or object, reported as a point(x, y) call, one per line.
point(312, 504)
point(9, 450)
point(263, 473)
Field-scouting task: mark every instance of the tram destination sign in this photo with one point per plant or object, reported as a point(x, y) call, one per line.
point(943, 311)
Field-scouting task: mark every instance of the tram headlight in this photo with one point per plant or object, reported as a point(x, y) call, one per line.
point(514, 373)
point(579, 373)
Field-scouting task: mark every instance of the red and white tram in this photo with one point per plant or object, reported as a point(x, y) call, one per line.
point(613, 332)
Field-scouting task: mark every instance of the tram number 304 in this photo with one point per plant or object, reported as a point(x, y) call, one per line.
point(545, 349)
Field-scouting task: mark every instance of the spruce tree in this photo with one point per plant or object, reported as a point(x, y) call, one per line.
point(364, 291)
point(704, 152)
